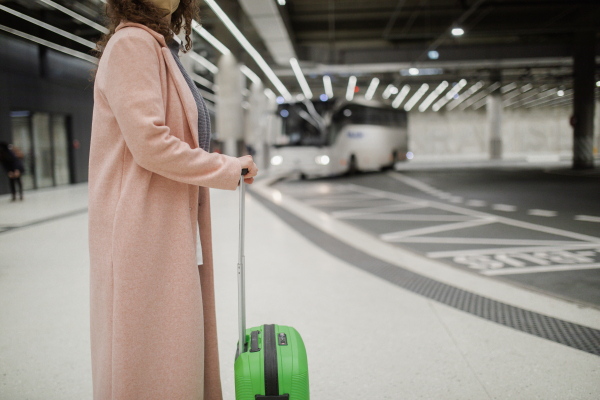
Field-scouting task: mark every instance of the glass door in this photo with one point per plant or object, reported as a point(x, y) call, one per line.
point(42, 149)
point(22, 145)
point(60, 150)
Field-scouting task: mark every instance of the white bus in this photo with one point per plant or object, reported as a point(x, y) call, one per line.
point(330, 138)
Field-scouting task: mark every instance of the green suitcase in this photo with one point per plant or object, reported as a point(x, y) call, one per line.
point(270, 360)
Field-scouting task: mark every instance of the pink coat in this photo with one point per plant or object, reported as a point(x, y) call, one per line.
point(153, 328)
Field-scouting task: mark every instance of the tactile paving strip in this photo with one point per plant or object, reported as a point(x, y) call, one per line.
point(569, 334)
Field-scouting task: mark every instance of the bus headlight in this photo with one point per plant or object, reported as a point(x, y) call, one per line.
point(276, 160)
point(322, 160)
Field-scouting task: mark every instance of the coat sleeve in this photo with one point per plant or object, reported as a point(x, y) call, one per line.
point(132, 88)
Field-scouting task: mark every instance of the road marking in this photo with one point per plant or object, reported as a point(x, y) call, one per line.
point(379, 209)
point(587, 218)
point(542, 213)
point(509, 250)
point(410, 217)
point(455, 199)
point(476, 203)
point(343, 203)
point(504, 207)
point(392, 236)
point(536, 269)
point(478, 241)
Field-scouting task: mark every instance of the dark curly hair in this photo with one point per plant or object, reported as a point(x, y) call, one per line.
point(146, 13)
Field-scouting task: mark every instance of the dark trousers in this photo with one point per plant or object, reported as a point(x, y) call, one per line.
point(13, 189)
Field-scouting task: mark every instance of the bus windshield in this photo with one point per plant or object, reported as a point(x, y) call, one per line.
point(299, 127)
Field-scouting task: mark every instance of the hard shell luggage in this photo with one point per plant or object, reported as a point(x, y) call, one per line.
point(270, 360)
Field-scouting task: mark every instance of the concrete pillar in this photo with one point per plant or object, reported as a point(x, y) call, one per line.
point(584, 65)
point(229, 111)
point(256, 123)
point(494, 119)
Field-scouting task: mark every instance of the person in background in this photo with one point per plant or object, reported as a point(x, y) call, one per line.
point(13, 167)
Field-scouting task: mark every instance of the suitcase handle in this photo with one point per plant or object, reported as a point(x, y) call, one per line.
point(241, 269)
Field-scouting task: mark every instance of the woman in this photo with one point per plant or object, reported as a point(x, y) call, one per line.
point(153, 328)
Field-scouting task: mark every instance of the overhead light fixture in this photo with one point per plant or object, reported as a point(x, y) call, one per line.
point(351, 87)
point(249, 48)
point(250, 74)
point(508, 88)
point(50, 45)
point(372, 88)
point(598, 84)
point(433, 55)
point(301, 78)
point(473, 89)
point(457, 31)
point(388, 91)
point(300, 97)
point(413, 71)
point(450, 95)
point(210, 38)
point(201, 80)
point(51, 28)
point(432, 96)
point(560, 93)
point(401, 96)
point(327, 85)
point(76, 16)
point(203, 61)
point(281, 2)
point(280, 100)
point(323, 97)
point(269, 93)
point(416, 97)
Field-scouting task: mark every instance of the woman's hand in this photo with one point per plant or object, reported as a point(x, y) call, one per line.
point(248, 163)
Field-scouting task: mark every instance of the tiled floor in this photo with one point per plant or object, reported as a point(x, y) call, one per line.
point(365, 337)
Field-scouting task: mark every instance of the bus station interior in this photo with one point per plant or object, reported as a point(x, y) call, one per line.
point(463, 265)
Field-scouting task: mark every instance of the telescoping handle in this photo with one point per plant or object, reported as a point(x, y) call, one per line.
point(241, 269)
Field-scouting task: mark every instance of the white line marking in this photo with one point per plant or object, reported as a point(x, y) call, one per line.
point(478, 241)
point(542, 213)
point(476, 203)
point(508, 250)
point(455, 199)
point(343, 203)
point(504, 207)
point(411, 217)
point(421, 186)
point(392, 236)
point(532, 270)
point(373, 210)
point(587, 218)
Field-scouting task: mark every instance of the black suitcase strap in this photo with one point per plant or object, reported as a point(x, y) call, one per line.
point(271, 370)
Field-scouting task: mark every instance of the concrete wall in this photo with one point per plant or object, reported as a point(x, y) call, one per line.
point(38, 79)
point(465, 134)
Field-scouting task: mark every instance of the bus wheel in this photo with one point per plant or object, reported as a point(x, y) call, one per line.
point(352, 165)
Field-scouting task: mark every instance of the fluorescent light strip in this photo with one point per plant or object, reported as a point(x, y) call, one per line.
point(269, 93)
point(531, 94)
point(210, 38)
point(203, 61)
point(472, 100)
point(542, 96)
point(351, 86)
point(372, 88)
point(388, 91)
point(327, 85)
point(568, 95)
point(468, 94)
point(508, 88)
point(455, 89)
point(201, 80)
point(301, 78)
point(76, 16)
point(250, 74)
point(416, 97)
point(50, 45)
point(401, 96)
point(51, 28)
point(250, 49)
point(432, 96)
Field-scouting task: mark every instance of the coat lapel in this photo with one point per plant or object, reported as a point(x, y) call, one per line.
point(185, 95)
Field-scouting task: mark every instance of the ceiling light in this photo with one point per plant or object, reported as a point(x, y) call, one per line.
point(351, 86)
point(450, 95)
point(413, 71)
point(269, 93)
point(598, 83)
point(249, 48)
point(433, 95)
point(210, 38)
point(388, 91)
point(401, 96)
point(51, 28)
point(328, 87)
point(508, 87)
point(203, 61)
point(433, 55)
point(560, 93)
point(76, 16)
point(323, 97)
point(51, 45)
point(280, 100)
point(301, 79)
point(473, 89)
point(250, 74)
point(372, 88)
point(281, 2)
point(457, 32)
point(416, 97)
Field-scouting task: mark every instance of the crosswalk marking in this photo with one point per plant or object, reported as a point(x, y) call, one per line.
point(542, 213)
point(587, 218)
point(504, 207)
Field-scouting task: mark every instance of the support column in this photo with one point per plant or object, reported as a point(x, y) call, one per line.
point(229, 112)
point(494, 118)
point(584, 65)
point(256, 133)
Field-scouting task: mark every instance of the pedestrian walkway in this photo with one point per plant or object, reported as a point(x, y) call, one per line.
point(366, 337)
